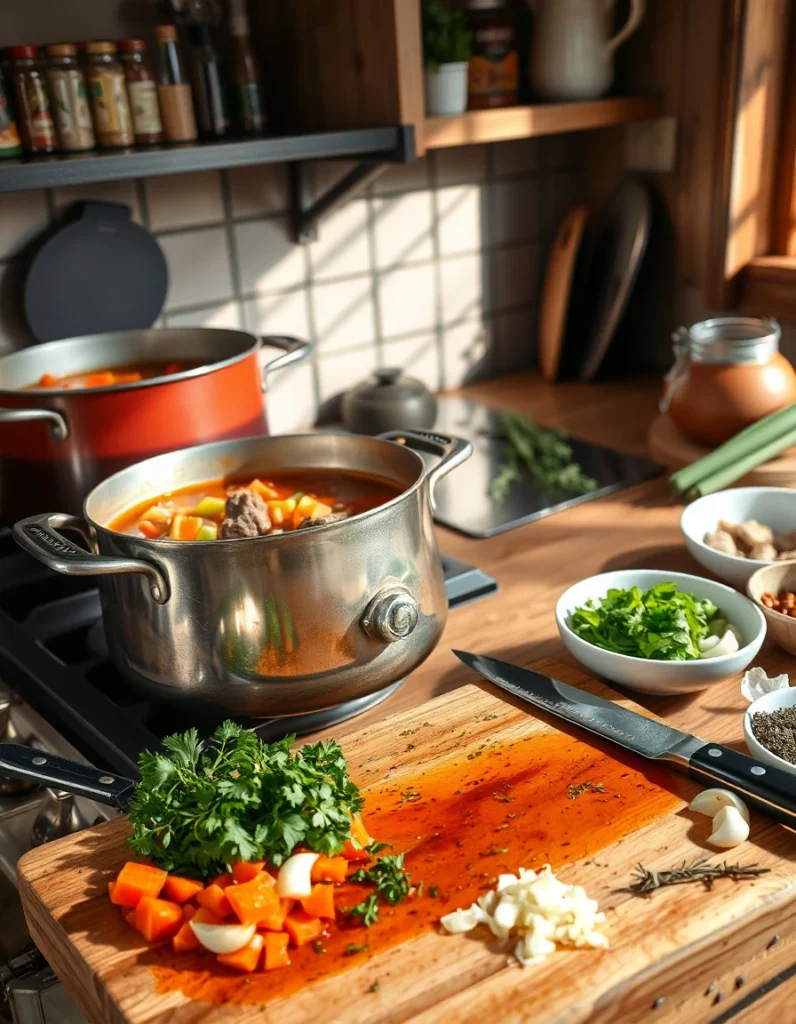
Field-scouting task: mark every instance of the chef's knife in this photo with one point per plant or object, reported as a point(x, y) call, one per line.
point(766, 788)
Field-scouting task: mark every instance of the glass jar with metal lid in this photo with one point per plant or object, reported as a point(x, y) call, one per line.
point(33, 103)
point(493, 73)
point(113, 118)
point(69, 97)
point(728, 373)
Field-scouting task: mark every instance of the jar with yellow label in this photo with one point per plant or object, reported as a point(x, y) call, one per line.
point(113, 118)
point(494, 68)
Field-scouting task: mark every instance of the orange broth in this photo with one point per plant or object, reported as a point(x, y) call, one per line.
point(503, 807)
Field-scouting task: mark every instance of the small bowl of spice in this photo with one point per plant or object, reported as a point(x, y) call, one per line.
point(773, 590)
point(769, 728)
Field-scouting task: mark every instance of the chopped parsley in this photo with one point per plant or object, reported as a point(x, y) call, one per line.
point(392, 884)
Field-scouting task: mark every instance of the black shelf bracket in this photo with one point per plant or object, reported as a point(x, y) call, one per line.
point(307, 210)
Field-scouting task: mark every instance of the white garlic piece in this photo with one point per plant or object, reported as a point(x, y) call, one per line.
point(711, 801)
point(729, 828)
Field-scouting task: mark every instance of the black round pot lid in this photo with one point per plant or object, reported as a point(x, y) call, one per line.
point(100, 272)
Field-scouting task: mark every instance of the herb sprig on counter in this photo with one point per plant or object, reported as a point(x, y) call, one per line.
point(196, 811)
point(392, 882)
point(703, 871)
point(545, 454)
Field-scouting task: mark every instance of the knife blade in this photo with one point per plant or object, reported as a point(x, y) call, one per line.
point(769, 789)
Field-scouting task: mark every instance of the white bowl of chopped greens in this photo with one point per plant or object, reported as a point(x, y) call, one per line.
point(659, 632)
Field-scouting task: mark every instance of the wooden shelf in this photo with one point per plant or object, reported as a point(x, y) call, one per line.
point(539, 119)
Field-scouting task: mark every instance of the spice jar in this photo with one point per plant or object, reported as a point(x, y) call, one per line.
point(112, 116)
point(69, 98)
point(728, 373)
point(33, 105)
point(493, 73)
point(143, 93)
point(174, 90)
point(10, 144)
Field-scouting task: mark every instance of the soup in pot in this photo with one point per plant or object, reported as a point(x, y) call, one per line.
point(234, 509)
point(106, 378)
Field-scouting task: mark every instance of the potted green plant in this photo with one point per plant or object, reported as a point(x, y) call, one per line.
point(446, 51)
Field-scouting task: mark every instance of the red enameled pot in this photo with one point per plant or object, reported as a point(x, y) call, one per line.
point(57, 444)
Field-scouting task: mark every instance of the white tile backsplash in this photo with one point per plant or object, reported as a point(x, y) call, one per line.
point(257, 191)
point(516, 274)
point(342, 246)
point(268, 259)
point(344, 314)
point(403, 227)
point(403, 177)
point(519, 156)
point(227, 315)
point(199, 267)
point(461, 218)
point(290, 399)
point(340, 372)
point(463, 287)
point(23, 215)
point(466, 351)
point(184, 200)
point(100, 192)
point(407, 300)
point(514, 211)
point(460, 165)
point(418, 357)
point(285, 313)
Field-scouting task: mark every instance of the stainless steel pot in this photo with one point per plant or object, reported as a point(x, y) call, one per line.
point(267, 626)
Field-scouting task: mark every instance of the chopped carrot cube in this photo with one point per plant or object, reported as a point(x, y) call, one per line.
point(304, 509)
point(111, 887)
point(158, 919)
point(245, 959)
point(222, 880)
point(135, 881)
point(266, 493)
point(213, 899)
point(320, 902)
point(246, 870)
point(252, 901)
point(130, 918)
point(302, 928)
point(184, 527)
point(48, 381)
point(275, 921)
point(189, 911)
point(276, 951)
point(99, 380)
point(329, 869)
point(180, 890)
point(205, 916)
point(150, 530)
point(354, 848)
point(185, 939)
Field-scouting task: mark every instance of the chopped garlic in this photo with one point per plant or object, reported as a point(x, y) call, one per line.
point(756, 683)
point(729, 828)
point(537, 909)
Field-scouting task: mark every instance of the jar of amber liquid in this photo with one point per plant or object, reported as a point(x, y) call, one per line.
point(728, 373)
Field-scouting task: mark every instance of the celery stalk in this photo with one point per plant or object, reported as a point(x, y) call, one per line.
point(728, 474)
point(745, 442)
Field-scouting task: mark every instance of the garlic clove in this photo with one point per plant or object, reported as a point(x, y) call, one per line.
point(729, 828)
point(727, 645)
point(711, 801)
point(708, 643)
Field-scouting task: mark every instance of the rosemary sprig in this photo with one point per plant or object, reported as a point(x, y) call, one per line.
point(647, 881)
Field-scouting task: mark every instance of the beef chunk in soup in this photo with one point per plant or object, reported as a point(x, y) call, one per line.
point(333, 517)
point(246, 516)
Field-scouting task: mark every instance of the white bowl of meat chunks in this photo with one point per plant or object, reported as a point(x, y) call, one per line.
point(733, 533)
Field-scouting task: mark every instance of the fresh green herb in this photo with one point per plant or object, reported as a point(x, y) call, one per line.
point(318, 946)
point(445, 36)
point(433, 891)
point(647, 881)
point(545, 454)
point(411, 796)
point(573, 791)
point(373, 848)
point(352, 949)
point(392, 884)
point(419, 890)
point(661, 623)
point(374, 987)
point(197, 811)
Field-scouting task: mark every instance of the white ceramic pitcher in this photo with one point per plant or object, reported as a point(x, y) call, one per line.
point(572, 56)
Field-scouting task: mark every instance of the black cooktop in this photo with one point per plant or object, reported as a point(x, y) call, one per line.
point(52, 653)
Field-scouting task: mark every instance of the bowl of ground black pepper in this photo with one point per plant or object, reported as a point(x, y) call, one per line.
point(769, 728)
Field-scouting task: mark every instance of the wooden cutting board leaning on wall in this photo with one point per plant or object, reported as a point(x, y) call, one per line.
point(467, 777)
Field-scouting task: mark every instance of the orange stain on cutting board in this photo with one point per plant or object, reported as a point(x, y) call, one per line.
point(501, 807)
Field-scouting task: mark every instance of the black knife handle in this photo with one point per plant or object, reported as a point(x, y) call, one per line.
point(46, 769)
point(765, 787)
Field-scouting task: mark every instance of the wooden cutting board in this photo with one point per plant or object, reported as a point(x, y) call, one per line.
point(674, 951)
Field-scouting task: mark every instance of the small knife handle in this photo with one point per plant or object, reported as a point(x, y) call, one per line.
point(765, 787)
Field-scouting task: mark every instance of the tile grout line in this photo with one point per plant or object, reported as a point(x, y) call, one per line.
point(312, 322)
point(232, 248)
point(373, 272)
point(439, 334)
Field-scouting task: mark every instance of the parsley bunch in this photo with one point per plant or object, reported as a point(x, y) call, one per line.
point(197, 810)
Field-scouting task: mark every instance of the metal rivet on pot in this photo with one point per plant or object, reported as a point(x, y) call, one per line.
point(391, 615)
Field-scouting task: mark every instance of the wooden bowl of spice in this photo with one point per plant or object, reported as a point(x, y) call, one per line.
point(773, 590)
point(769, 728)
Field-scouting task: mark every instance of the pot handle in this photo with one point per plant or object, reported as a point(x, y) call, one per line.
point(451, 450)
point(293, 351)
point(58, 427)
point(39, 536)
